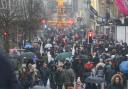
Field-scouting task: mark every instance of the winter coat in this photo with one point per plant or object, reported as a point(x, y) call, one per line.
point(68, 76)
point(52, 76)
point(100, 73)
point(109, 72)
point(44, 73)
point(59, 77)
point(78, 69)
point(8, 78)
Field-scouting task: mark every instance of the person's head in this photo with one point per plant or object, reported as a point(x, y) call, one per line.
point(45, 65)
point(54, 68)
point(117, 79)
point(60, 68)
point(29, 66)
point(23, 69)
point(101, 60)
point(67, 65)
point(32, 69)
point(100, 68)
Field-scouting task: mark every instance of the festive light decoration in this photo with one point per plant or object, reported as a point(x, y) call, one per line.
point(122, 6)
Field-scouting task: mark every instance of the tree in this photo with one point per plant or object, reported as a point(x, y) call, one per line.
point(24, 13)
point(33, 11)
point(8, 13)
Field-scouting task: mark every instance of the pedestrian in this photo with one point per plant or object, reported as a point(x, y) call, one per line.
point(23, 78)
point(100, 69)
point(52, 77)
point(59, 77)
point(68, 76)
point(44, 74)
point(8, 78)
point(109, 71)
point(78, 68)
point(30, 76)
point(116, 82)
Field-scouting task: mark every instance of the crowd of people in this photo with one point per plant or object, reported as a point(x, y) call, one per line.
point(57, 75)
point(102, 63)
point(78, 71)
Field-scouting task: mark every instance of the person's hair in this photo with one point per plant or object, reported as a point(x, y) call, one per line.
point(100, 68)
point(68, 65)
point(117, 76)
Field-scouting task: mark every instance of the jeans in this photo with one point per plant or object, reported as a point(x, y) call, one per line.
point(59, 86)
point(44, 82)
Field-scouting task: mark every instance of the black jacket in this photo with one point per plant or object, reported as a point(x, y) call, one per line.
point(8, 78)
point(59, 77)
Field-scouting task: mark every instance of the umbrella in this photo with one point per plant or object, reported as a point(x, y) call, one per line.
point(27, 55)
point(48, 45)
point(27, 45)
point(124, 67)
point(63, 56)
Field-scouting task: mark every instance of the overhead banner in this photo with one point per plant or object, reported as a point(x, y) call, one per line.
point(122, 6)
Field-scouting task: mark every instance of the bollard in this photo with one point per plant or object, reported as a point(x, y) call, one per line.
point(102, 85)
